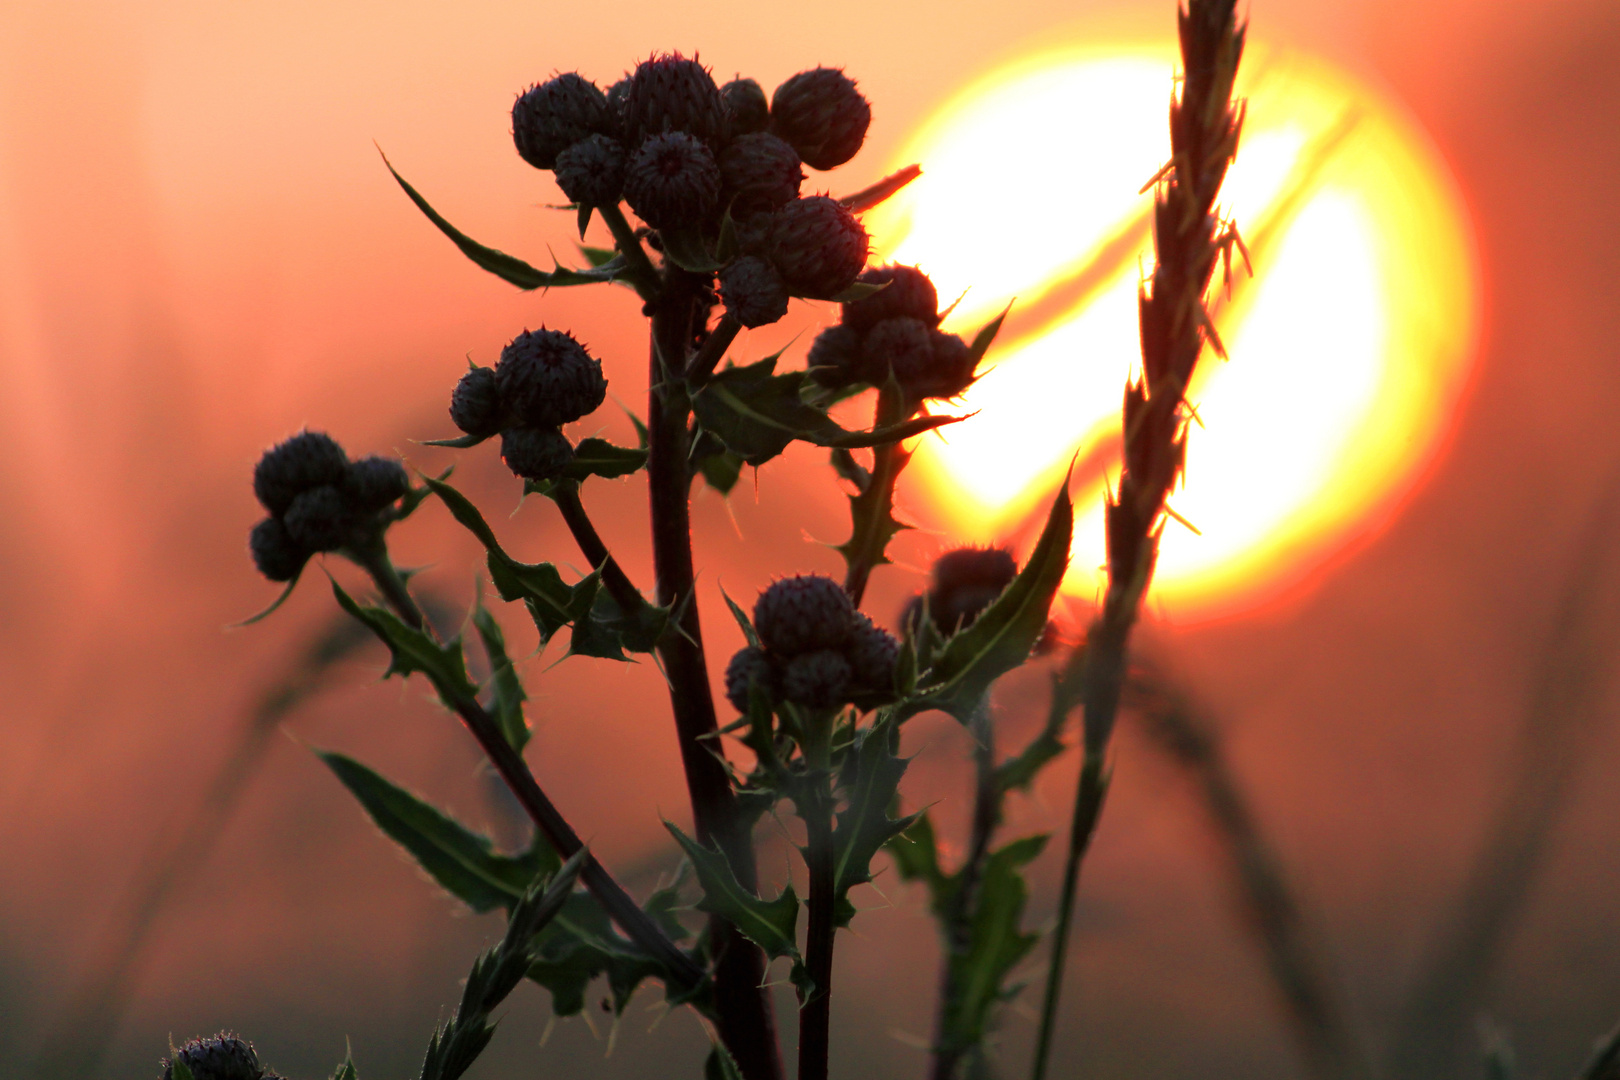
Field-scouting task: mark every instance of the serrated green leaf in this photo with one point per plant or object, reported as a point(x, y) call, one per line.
point(506, 688)
point(412, 650)
point(770, 924)
point(721, 471)
point(582, 944)
point(872, 520)
point(996, 945)
point(504, 266)
point(987, 334)
point(463, 862)
point(864, 826)
point(743, 621)
point(1003, 636)
point(686, 247)
point(1020, 770)
point(592, 457)
point(847, 468)
point(720, 1065)
point(916, 855)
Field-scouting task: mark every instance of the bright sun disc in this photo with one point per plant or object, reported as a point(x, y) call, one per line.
point(1349, 347)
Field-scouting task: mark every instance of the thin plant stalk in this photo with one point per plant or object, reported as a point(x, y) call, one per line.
point(815, 1011)
point(1189, 240)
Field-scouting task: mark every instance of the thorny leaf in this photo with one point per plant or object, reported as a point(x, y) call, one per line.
point(721, 471)
point(506, 688)
point(346, 1071)
point(872, 520)
point(770, 924)
point(872, 773)
point(583, 944)
point(720, 1065)
point(412, 650)
point(593, 457)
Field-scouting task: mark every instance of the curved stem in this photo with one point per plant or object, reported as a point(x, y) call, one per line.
point(642, 274)
point(714, 349)
point(619, 586)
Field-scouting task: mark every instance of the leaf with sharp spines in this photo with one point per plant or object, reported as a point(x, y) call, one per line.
point(847, 468)
point(582, 944)
point(1006, 632)
point(872, 521)
point(506, 687)
point(686, 247)
point(416, 496)
point(462, 861)
point(346, 1071)
point(412, 650)
point(502, 265)
point(770, 924)
point(592, 457)
point(286, 592)
point(721, 471)
point(598, 256)
point(916, 856)
point(720, 1065)
point(864, 826)
point(743, 621)
point(987, 334)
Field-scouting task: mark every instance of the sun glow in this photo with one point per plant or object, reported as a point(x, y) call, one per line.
point(1348, 349)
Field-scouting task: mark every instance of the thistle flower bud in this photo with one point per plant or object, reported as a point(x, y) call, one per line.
point(747, 111)
point(375, 483)
point(835, 357)
point(759, 172)
point(591, 171)
point(818, 246)
point(277, 555)
point(966, 581)
point(899, 345)
point(747, 667)
point(475, 404)
point(672, 180)
point(291, 467)
point(671, 93)
point(908, 293)
point(320, 519)
point(950, 368)
point(803, 613)
point(222, 1057)
point(873, 653)
point(823, 115)
point(550, 117)
point(536, 453)
point(547, 379)
point(817, 680)
point(754, 292)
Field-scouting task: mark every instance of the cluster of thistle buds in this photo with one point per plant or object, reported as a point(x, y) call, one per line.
point(220, 1057)
point(815, 649)
point(543, 380)
point(894, 334)
point(696, 159)
point(319, 500)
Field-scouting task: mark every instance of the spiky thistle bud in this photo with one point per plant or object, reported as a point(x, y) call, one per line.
point(536, 453)
point(753, 291)
point(277, 555)
point(475, 404)
point(671, 93)
point(222, 1057)
point(817, 680)
point(907, 293)
point(899, 345)
point(673, 180)
point(818, 246)
point(747, 110)
point(835, 357)
point(551, 116)
point(873, 653)
point(803, 613)
point(758, 172)
point(591, 171)
point(293, 466)
point(823, 115)
point(375, 483)
point(747, 668)
point(966, 581)
point(321, 519)
point(547, 379)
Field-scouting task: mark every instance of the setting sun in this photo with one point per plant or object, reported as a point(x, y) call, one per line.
point(1348, 348)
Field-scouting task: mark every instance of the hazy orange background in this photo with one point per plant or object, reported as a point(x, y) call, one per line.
point(200, 252)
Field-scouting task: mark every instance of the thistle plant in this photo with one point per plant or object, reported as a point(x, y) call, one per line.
point(723, 236)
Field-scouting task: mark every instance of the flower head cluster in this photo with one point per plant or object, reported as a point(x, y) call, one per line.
point(318, 500)
point(543, 380)
point(221, 1057)
point(894, 331)
point(817, 651)
point(686, 153)
point(965, 582)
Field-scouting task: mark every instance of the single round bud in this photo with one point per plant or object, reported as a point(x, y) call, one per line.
point(591, 172)
point(475, 404)
point(754, 292)
point(966, 581)
point(835, 358)
point(823, 115)
point(223, 1057)
point(536, 453)
point(873, 653)
point(552, 116)
point(758, 172)
point(320, 519)
point(747, 111)
point(901, 346)
point(747, 667)
point(277, 555)
point(672, 180)
point(290, 468)
point(671, 93)
point(375, 483)
point(818, 246)
point(802, 614)
point(817, 680)
point(547, 379)
point(949, 371)
point(908, 294)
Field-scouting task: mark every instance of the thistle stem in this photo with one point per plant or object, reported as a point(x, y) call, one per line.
point(621, 908)
point(642, 273)
point(619, 585)
point(815, 1010)
point(865, 547)
point(747, 1025)
point(714, 349)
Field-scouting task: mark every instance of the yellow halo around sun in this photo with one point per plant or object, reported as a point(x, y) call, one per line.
point(1348, 349)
